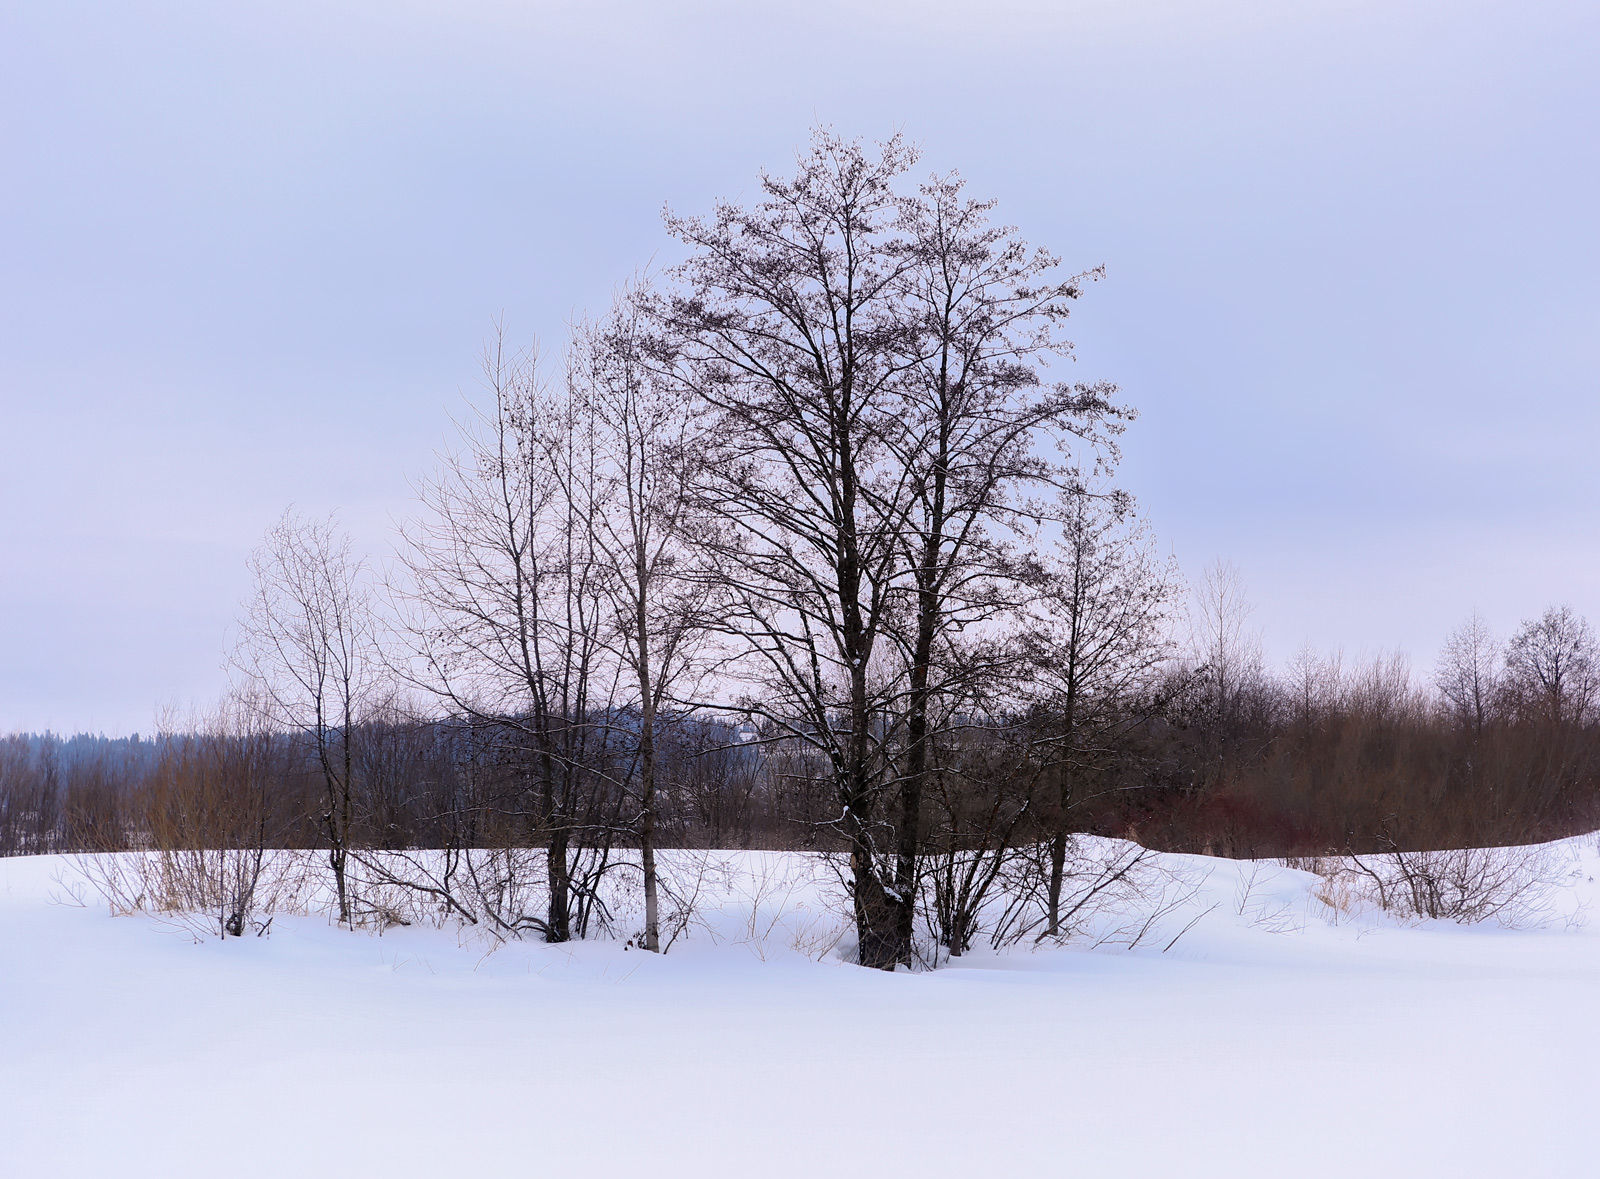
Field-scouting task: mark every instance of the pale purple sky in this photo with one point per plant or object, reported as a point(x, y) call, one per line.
point(248, 254)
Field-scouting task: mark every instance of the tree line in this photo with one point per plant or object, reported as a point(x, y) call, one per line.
point(802, 544)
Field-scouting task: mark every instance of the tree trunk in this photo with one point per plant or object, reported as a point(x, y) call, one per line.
point(647, 784)
point(1058, 865)
point(558, 912)
point(338, 857)
point(1058, 839)
point(911, 789)
point(558, 917)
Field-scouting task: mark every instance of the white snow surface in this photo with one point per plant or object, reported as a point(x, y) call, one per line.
point(1276, 1037)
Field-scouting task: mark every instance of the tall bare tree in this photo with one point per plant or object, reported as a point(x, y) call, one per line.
point(871, 358)
point(1101, 641)
point(307, 646)
point(646, 439)
point(508, 603)
point(788, 324)
point(988, 444)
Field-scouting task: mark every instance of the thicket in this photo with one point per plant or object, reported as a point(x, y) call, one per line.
point(1369, 761)
point(1318, 766)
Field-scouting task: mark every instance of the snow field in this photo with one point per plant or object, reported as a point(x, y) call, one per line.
point(1276, 1036)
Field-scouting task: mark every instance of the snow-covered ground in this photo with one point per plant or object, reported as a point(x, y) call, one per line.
point(1277, 1036)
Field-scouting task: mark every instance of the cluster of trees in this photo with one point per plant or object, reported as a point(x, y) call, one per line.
point(57, 793)
point(1502, 747)
point(801, 545)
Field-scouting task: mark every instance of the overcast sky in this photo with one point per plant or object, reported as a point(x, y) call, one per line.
point(249, 253)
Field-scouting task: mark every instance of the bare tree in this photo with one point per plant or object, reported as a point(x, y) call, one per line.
point(1552, 667)
point(1228, 650)
point(788, 326)
point(646, 438)
point(985, 438)
point(507, 604)
point(1100, 643)
point(871, 359)
point(1315, 682)
point(1467, 674)
point(307, 649)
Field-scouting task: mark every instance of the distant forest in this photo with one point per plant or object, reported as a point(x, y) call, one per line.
point(802, 546)
point(1317, 760)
